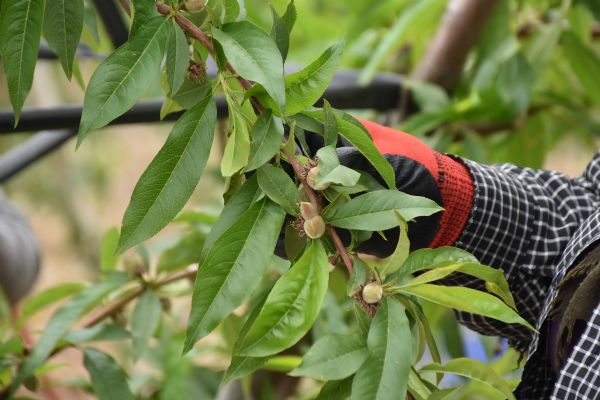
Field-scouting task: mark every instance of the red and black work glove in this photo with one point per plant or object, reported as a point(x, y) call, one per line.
point(419, 171)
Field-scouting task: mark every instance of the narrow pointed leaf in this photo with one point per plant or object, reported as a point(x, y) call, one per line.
point(60, 323)
point(171, 177)
point(237, 148)
point(428, 258)
point(63, 23)
point(178, 56)
point(123, 78)
point(239, 202)
point(21, 30)
point(254, 55)
point(267, 135)
point(108, 379)
point(279, 187)
point(330, 132)
point(333, 357)
point(476, 370)
point(384, 375)
point(46, 298)
point(400, 254)
point(585, 63)
point(291, 307)
point(144, 321)
point(233, 268)
point(493, 277)
point(280, 34)
point(467, 300)
point(374, 211)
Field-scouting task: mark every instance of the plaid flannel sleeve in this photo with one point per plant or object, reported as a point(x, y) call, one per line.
point(521, 221)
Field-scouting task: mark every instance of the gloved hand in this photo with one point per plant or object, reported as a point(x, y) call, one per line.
point(419, 171)
point(19, 253)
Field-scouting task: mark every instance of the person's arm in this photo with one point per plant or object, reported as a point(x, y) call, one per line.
point(19, 253)
point(513, 218)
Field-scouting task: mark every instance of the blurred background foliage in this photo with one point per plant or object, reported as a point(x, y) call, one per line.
point(529, 94)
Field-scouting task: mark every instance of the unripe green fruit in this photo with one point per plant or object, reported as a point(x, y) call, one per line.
point(314, 227)
point(372, 293)
point(308, 210)
point(194, 6)
point(311, 179)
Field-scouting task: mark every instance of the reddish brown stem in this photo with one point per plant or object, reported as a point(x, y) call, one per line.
point(314, 199)
point(116, 307)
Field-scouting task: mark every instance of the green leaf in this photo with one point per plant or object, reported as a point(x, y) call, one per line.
point(108, 379)
point(239, 202)
point(232, 10)
point(233, 267)
point(333, 357)
point(280, 188)
point(409, 18)
point(108, 248)
point(305, 87)
point(358, 136)
point(46, 298)
point(384, 375)
point(585, 64)
point(291, 307)
point(400, 254)
point(493, 277)
point(102, 332)
point(358, 276)
point(60, 323)
point(427, 258)
point(237, 148)
point(336, 390)
point(254, 56)
point(330, 170)
point(280, 34)
point(267, 135)
point(21, 29)
point(186, 251)
point(178, 55)
point(144, 321)
point(143, 11)
point(123, 77)
point(467, 300)
point(242, 365)
point(374, 211)
point(170, 179)
point(63, 23)
point(476, 370)
point(330, 129)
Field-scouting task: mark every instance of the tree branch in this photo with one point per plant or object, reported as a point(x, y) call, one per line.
point(116, 307)
point(462, 25)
